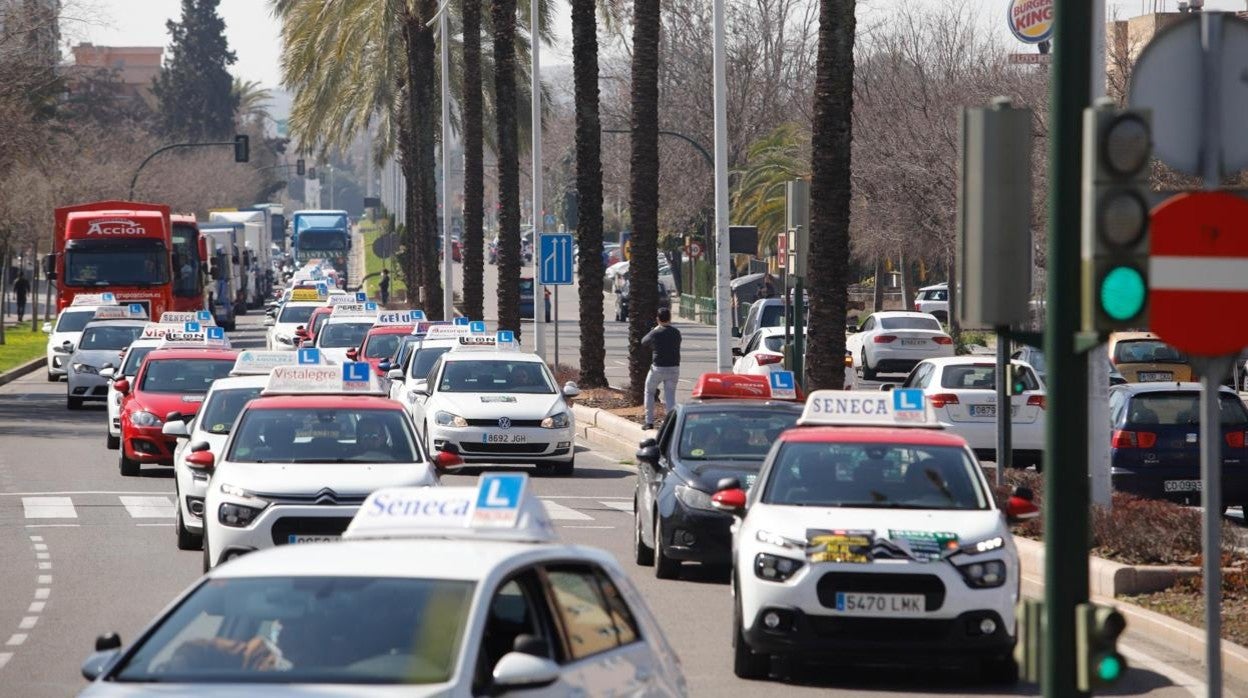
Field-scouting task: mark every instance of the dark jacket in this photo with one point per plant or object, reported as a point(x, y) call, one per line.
point(665, 341)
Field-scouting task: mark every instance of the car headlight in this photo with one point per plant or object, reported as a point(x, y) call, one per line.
point(983, 575)
point(774, 568)
point(237, 515)
point(778, 540)
point(143, 418)
point(694, 497)
point(557, 421)
point(86, 368)
point(446, 419)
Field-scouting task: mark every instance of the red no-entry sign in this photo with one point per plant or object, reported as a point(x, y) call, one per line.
point(1198, 269)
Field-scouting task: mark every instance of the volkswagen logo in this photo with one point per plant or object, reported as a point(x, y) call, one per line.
point(504, 423)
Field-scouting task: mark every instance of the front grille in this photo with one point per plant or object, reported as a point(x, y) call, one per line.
point(514, 422)
point(324, 497)
point(308, 526)
point(873, 630)
point(929, 585)
point(517, 449)
point(100, 391)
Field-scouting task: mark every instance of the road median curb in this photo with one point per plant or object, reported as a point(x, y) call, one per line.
point(607, 431)
point(22, 369)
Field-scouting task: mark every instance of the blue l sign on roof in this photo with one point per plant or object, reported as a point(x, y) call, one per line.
point(190, 327)
point(500, 490)
point(355, 371)
point(783, 385)
point(461, 321)
point(476, 326)
point(203, 316)
point(555, 253)
point(907, 400)
point(361, 297)
point(310, 355)
point(215, 332)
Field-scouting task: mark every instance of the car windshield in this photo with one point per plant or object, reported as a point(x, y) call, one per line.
point(185, 376)
point(342, 335)
point(1179, 409)
point(380, 346)
point(109, 336)
point(296, 314)
point(909, 323)
point(981, 377)
point(423, 360)
point(1146, 351)
point(324, 435)
point(313, 630)
point(322, 240)
point(874, 475)
point(74, 320)
point(221, 408)
point(1036, 359)
point(738, 433)
point(134, 358)
point(495, 376)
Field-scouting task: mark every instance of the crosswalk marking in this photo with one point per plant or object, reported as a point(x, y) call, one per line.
point(148, 507)
point(625, 506)
point(558, 511)
point(49, 508)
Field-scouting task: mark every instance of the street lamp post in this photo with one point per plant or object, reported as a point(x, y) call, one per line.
point(448, 256)
point(539, 306)
point(723, 313)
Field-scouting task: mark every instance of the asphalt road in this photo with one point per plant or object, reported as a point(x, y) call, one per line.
point(87, 551)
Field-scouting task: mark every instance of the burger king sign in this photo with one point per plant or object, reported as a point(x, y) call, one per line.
point(1031, 20)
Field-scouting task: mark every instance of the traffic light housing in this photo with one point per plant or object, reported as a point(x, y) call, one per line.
point(1030, 639)
point(1099, 663)
point(300, 169)
point(312, 173)
point(1117, 148)
point(242, 148)
point(1015, 377)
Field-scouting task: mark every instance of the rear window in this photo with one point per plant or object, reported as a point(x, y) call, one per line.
point(939, 294)
point(909, 323)
point(1180, 409)
point(1144, 351)
point(380, 346)
point(980, 377)
point(296, 314)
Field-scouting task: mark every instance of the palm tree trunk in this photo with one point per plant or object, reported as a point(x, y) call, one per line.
point(589, 191)
point(423, 108)
point(409, 258)
point(643, 266)
point(474, 172)
point(503, 14)
point(830, 194)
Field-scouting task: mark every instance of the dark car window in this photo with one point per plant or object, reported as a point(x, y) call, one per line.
point(380, 346)
point(1144, 351)
point(186, 376)
point(423, 360)
point(222, 408)
point(739, 433)
point(296, 314)
point(909, 323)
point(328, 435)
point(109, 336)
point(1180, 409)
point(74, 320)
point(981, 377)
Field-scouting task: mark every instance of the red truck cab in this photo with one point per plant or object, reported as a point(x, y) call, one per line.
point(189, 253)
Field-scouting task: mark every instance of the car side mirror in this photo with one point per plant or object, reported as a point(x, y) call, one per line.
point(649, 455)
point(1021, 506)
point(201, 460)
point(107, 647)
point(518, 671)
point(852, 328)
point(200, 446)
point(47, 328)
point(570, 389)
point(108, 372)
point(384, 366)
point(736, 351)
point(421, 388)
point(353, 353)
point(301, 332)
point(175, 428)
point(67, 347)
point(887, 387)
point(448, 460)
point(395, 374)
point(729, 499)
point(122, 386)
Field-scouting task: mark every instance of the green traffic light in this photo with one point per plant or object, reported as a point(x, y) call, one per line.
point(1122, 293)
point(1109, 668)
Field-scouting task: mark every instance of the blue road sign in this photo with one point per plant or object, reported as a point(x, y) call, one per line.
point(310, 355)
point(550, 221)
point(907, 399)
point(355, 371)
point(555, 252)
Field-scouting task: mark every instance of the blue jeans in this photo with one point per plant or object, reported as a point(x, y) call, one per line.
point(667, 376)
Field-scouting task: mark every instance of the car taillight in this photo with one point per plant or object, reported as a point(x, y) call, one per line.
point(764, 359)
point(1133, 439)
point(1236, 439)
point(942, 399)
point(884, 338)
point(942, 339)
point(1036, 401)
point(916, 308)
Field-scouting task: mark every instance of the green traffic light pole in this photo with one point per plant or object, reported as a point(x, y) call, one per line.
point(1066, 451)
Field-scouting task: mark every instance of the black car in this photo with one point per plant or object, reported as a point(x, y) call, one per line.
point(702, 442)
point(621, 301)
point(1155, 452)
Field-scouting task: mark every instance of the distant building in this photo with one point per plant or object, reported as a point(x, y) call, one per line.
point(134, 67)
point(30, 30)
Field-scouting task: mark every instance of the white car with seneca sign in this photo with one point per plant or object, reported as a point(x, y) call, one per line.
point(497, 407)
point(895, 341)
point(345, 329)
point(871, 534)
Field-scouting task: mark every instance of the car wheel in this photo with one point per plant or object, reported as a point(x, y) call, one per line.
point(642, 553)
point(186, 539)
point(867, 373)
point(52, 377)
point(1000, 670)
point(746, 663)
point(127, 467)
point(111, 442)
point(73, 403)
point(664, 566)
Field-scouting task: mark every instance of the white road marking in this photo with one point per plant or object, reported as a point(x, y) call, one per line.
point(49, 508)
point(1178, 677)
point(42, 556)
point(28, 622)
point(4, 658)
point(42, 593)
point(44, 546)
point(45, 565)
point(559, 512)
point(37, 606)
point(36, 539)
point(16, 639)
point(52, 525)
point(148, 507)
point(624, 506)
point(43, 579)
point(41, 494)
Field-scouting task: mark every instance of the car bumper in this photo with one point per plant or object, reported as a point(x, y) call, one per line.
point(192, 489)
point(87, 386)
point(278, 524)
point(537, 444)
point(1179, 484)
point(57, 363)
point(901, 640)
point(147, 445)
point(696, 535)
point(981, 436)
point(885, 359)
point(114, 413)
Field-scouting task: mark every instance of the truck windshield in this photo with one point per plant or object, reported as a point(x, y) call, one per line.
point(108, 263)
point(325, 220)
point(322, 240)
point(186, 270)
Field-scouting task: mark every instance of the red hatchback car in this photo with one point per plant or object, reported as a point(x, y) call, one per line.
point(170, 380)
point(379, 344)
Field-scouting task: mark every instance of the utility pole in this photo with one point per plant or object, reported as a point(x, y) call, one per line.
point(723, 309)
point(539, 307)
point(1066, 487)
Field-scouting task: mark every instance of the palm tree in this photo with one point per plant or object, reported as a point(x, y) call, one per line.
point(503, 14)
point(643, 267)
point(830, 194)
point(772, 162)
point(253, 100)
point(474, 167)
point(589, 192)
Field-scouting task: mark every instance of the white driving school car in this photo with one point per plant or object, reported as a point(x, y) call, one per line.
point(894, 341)
point(872, 534)
point(497, 406)
point(453, 592)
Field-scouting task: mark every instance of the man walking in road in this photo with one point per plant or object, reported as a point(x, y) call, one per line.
point(21, 287)
point(664, 342)
point(383, 287)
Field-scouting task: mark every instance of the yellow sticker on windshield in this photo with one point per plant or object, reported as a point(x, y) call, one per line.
point(697, 452)
point(218, 428)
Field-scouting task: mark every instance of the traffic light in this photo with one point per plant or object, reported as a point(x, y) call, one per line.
point(1016, 383)
point(242, 148)
point(571, 213)
point(299, 167)
point(1030, 639)
point(1097, 629)
point(312, 173)
point(1117, 147)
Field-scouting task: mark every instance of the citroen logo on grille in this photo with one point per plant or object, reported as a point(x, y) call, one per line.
point(327, 496)
point(504, 423)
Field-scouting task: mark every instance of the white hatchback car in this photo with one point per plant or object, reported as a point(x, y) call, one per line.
point(763, 352)
point(895, 341)
point(963, 393)
point(451, 592)
point(291, 316)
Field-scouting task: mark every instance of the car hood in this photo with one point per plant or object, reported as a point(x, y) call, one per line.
point(495, 405)
point(794, 522)
point(161, 404)
point(334, 355)
point(706, 475)
point(111, 689)
point(346, 479)
point(96, 357)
